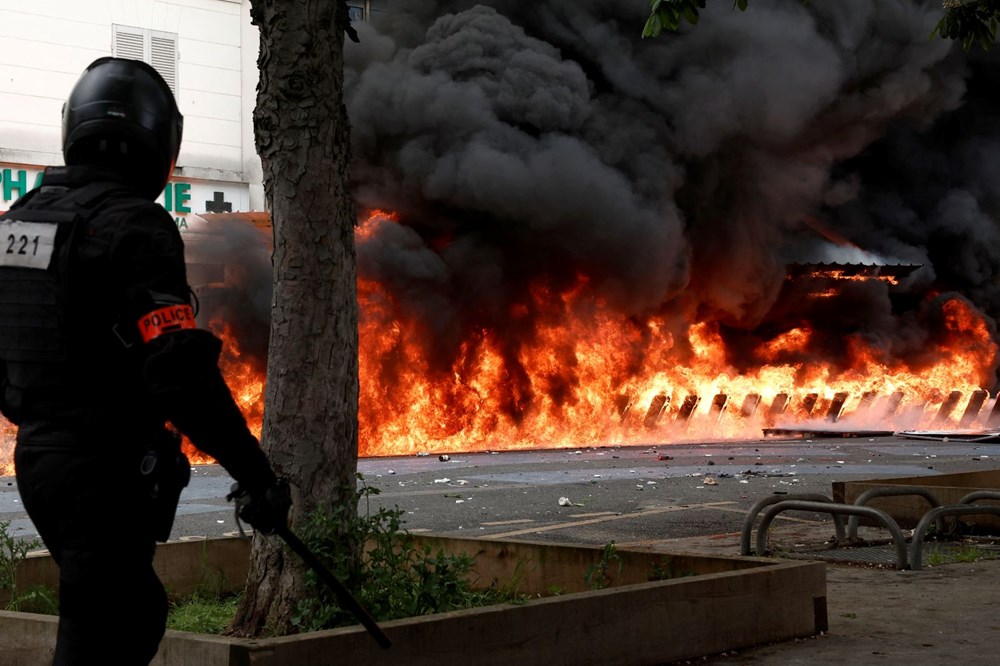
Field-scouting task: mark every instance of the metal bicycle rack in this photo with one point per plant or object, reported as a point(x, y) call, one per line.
point(836, 510)
point(968, 509)
point(977, 495)
point(769, 507)
point(774, 499)
point(893, 491)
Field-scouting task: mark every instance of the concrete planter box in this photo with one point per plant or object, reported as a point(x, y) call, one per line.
point(907, 510)
point(709, 605)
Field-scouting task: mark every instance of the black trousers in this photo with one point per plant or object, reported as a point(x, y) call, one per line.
point(89, 506)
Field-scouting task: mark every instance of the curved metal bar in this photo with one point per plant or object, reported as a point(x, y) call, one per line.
point(916, 547)
point(891, 491)
point(837, 510)
point(772, 499)
point(977, 495)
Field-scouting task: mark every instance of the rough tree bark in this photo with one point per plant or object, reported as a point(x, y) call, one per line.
point(310, 427)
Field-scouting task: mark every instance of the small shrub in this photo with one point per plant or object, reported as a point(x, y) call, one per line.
point(969, 554)
point(395, 578)
point(207, 610)
point(666, 569)
point(597, 574)
point(935, 558)
point(202, 614)
point(39, 599)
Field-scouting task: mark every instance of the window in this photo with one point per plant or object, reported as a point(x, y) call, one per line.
point(157, 48)
point(356, 11)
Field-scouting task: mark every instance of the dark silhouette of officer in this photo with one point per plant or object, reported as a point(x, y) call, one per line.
point(100, 354)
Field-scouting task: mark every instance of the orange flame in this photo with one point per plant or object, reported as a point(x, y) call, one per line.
point(589, 375)
point(844, 275)
point(246, 383)
point(469, 409)
point(578, 381)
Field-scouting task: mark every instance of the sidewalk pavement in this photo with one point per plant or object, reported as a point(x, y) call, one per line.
point(944, 614)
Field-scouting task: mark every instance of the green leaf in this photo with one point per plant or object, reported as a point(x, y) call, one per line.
point(654, 26)
point(671, 20)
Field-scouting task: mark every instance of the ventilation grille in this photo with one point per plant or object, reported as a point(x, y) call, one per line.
point(129, 44)
point(163, 58)
point(156, 48)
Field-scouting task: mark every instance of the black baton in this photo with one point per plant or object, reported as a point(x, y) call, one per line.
point(344, 596)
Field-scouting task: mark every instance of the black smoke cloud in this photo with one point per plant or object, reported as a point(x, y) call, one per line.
point(229, 268)
point(529, 145)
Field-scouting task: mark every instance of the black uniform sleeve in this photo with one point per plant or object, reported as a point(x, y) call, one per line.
point(178, 363)
point(181, 373)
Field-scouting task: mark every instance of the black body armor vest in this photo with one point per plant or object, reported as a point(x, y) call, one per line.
point(36, 260)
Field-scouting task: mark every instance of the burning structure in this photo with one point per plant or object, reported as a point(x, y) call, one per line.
point(571, 236)
point(599, 239)
point(568, 235)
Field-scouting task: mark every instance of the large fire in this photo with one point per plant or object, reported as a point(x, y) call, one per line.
point(583, 382)
point(590, 376)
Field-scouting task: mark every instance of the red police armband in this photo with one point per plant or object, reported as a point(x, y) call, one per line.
point(165, 320)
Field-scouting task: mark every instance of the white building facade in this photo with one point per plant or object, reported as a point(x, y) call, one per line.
point(205, 49)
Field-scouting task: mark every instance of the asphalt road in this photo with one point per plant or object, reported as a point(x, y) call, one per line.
point(653, 494)
point(661, 498)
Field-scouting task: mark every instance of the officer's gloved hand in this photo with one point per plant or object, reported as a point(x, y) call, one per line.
point(264, 508)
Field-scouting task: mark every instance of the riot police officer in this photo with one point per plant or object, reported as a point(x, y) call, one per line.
point(99, 354)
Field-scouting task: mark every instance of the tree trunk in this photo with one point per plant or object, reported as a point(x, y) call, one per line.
point(310, 427)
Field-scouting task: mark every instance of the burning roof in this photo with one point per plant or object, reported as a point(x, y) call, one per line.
point(890, 274)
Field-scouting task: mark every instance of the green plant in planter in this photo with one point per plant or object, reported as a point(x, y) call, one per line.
point(597, 574)
point(207, 610)
point(666, 569)
point(38, 599)
point(204, 614)
point(396, 578)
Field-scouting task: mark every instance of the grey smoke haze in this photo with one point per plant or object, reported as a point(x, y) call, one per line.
point(244, 252)
point(532, 144)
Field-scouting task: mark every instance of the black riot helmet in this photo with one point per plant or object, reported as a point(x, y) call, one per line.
point(121, 115)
